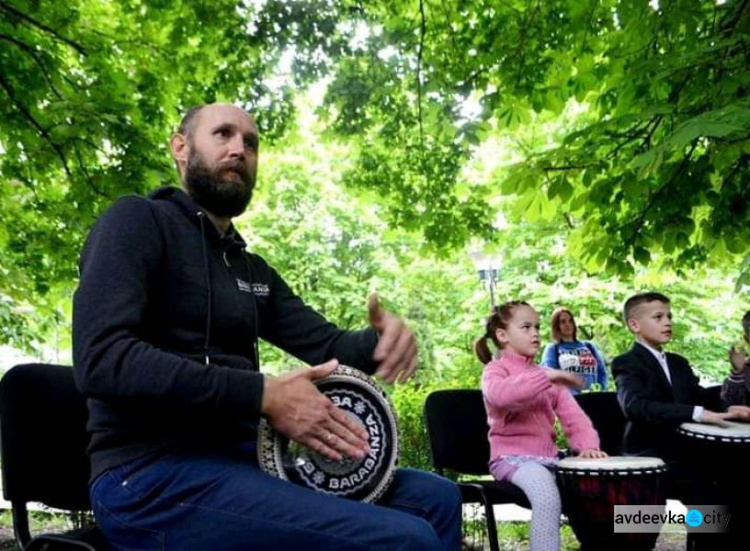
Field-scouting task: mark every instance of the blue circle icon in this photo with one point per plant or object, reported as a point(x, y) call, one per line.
point(694, 518)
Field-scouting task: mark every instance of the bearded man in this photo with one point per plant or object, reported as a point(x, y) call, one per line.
point(166, 322)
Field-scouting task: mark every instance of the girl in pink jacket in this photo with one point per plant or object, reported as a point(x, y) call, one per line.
point(522, 400)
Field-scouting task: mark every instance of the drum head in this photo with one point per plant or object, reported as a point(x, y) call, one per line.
point(731, 432)
point(364, 480)
point(612, 464)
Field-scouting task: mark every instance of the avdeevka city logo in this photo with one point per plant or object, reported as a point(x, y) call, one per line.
point(655, 518)
point(694, 518)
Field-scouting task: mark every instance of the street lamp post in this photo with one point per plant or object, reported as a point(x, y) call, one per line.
point(489, 274)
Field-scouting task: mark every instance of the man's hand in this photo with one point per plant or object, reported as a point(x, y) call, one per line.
point(741, 413)
point(714, 418)
point(396, 352)
point(564, 378)
point(592, 454)
point(297, 409)
point(738, 360)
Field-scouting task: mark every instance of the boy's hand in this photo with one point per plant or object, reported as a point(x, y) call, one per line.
point(738, 360)
point(564, 378)
point(713, 418)
point(593, 454)
point(742, 413)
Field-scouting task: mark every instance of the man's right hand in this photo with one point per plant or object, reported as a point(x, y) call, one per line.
point(298, 410)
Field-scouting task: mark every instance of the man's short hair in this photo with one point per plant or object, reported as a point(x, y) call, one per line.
point(746, 323)
point(189, 121)
point(641, 298)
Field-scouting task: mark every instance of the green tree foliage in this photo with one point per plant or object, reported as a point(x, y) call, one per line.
point(628, 120)
point(655, 160)
point(571, 135)
point(329, 244)
point(88, 94)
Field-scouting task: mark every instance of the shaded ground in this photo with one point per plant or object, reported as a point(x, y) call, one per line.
point(512, 537)
point(7, 543)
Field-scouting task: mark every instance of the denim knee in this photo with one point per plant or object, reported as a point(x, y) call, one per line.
point(413, 533)
point(447, 497)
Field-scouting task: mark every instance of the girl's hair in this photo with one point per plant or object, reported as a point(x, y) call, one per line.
point(498, 319)
point(555, 330)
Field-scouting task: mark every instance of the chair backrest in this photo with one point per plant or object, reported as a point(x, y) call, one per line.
point(457, 428)
point(605, 413)
point(43, 437)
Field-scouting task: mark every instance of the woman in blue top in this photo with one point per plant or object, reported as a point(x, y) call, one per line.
point(570, 354)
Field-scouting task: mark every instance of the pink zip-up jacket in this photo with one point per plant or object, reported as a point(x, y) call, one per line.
point(521, 406)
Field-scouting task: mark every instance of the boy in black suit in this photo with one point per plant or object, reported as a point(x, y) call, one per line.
point(657, 392)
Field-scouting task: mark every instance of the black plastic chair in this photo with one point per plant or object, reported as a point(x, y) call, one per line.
point(457, 428)
point(43, 441)
point(606, 415)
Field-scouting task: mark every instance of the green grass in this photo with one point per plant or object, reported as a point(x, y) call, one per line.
point(39, 522)
point(511, 536)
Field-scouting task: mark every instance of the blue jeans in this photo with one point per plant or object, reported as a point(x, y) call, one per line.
point(221, 502)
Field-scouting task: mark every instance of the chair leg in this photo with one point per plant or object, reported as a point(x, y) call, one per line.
point(21, 523)
point(489, 514)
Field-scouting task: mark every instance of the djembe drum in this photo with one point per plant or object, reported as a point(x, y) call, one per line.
point(590, 489)
point(364, 480)
point(705, 446)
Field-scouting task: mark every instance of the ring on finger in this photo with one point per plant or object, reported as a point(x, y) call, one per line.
point(329, 438)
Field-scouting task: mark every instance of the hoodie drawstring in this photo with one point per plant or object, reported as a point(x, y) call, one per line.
point(207, 274)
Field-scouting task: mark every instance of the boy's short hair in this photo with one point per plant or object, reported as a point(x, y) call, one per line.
point(746, 323)
point(642, 298)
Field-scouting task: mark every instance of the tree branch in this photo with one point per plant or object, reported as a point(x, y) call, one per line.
point(729, 25)
point(39, 128)
point(29, 50)
point(88, 177)
point(30, 20)
point(567, 167)
point(522, 42)
point(422, 31)
point(641, 220)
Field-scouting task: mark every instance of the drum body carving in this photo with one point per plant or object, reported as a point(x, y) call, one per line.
point(364, 480)
point(590, 489)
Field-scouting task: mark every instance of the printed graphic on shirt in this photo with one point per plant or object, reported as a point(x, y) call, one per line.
point(258, 289)
point(244, 286)
point(580, 361)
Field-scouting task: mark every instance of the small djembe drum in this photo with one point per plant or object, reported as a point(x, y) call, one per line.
point(364, 480)
point(590, 489)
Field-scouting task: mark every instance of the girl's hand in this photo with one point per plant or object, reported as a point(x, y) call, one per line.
point(738, 360)
point(593, 454)
point(564, 378)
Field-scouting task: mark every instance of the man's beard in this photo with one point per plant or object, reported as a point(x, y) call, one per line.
point(208, 188)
